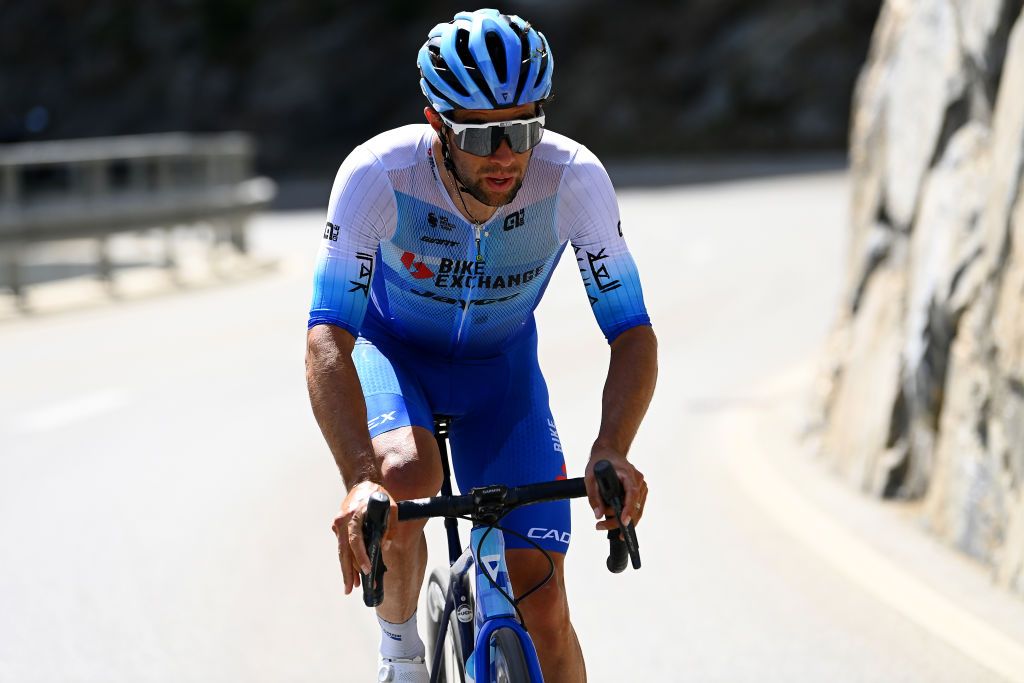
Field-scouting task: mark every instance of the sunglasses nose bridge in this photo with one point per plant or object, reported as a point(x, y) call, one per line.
point(501, 151)
point(500, 137)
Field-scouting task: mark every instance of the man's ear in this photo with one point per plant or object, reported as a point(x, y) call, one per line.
point(433, 119)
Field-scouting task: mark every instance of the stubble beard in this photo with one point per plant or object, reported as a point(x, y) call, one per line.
point(478, 192)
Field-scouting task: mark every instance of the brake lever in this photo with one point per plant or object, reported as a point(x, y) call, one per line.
point(622, 541)
point(626, 534)
point(375, 524)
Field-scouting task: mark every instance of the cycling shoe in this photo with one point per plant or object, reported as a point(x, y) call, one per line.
point(391, 670)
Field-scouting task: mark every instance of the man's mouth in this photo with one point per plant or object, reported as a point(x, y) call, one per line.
point(498, 183)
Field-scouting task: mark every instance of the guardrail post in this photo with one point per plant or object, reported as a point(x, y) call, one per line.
point(11, 191)
point(236, 229)
point(104, 262)
point(12, 257)
point(96, 180)
point(163, 174)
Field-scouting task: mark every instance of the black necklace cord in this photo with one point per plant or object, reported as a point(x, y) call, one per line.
point(460, 187)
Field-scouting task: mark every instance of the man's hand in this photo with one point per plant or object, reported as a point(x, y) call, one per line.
point(348, 527)
point(632, 482)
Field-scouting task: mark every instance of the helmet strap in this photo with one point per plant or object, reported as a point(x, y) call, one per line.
point(449, 165)
point(460, 186)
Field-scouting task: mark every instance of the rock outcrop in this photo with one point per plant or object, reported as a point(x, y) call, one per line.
point(925, 390)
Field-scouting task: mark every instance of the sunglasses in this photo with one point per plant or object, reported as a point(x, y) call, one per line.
point(483, 139)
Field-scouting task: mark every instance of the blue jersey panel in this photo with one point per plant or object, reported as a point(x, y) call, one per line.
point(398, 260)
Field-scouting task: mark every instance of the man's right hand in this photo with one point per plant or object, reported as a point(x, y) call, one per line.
point(348, 527)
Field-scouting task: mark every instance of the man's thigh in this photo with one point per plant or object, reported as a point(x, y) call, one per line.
point(508, 437)
point(393, 395)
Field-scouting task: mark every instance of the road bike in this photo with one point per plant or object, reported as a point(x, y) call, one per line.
point(475, 630)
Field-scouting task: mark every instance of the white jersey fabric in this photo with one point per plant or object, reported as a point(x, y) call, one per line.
point(399, 260)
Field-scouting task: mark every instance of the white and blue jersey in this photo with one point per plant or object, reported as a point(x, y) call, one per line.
point(398, 257)
point(431, 298)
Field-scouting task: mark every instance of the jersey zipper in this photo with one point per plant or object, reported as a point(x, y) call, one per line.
point(463, 330)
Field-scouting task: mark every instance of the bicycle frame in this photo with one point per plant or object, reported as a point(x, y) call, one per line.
point(486, 505)
point(492, 610)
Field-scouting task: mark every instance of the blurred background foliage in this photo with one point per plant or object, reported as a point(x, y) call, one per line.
point(311, 79)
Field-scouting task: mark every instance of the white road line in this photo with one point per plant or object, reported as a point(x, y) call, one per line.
point(69, 411)
point(869, 569)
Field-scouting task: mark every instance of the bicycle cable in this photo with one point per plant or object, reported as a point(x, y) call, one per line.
point(515, 601)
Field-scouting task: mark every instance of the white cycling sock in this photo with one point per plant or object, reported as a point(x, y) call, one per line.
point(400, 641)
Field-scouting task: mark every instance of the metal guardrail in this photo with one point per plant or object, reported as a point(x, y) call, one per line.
point(94, 188)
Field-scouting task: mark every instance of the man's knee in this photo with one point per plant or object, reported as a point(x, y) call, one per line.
point(547, 608)
point(409, 462)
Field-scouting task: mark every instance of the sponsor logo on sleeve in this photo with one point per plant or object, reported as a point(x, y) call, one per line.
point(365, 273)
point(595, 273)
point(331, 232)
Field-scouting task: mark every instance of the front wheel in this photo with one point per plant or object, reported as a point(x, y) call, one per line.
point(451, 669)
point(508, 661)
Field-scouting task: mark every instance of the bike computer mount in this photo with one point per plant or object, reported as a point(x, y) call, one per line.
point(489, 503)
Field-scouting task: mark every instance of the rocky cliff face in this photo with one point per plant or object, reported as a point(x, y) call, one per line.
point(312, 79)
point(925, 394)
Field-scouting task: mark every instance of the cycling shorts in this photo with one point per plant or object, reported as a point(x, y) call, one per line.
point(501, 429)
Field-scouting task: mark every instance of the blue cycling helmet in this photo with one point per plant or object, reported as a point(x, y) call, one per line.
point(485, 60)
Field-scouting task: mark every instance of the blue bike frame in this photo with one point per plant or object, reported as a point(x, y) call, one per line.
point(492, 609)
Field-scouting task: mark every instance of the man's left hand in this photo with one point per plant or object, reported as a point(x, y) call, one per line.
point(632, 482)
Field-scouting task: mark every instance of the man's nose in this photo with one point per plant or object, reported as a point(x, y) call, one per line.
point(504, 154)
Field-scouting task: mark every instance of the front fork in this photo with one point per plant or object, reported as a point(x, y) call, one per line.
point(458, 600)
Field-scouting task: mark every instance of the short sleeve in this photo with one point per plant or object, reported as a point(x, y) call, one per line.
point(361, 214)
point(589, 212)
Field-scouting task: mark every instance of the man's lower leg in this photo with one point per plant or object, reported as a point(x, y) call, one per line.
point(406, 563)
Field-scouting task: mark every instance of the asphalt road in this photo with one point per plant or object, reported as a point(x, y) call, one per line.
point(166, 497)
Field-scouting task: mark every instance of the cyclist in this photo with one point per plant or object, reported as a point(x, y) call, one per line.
point(440, 241)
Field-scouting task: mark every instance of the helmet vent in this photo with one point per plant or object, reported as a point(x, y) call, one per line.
point(462, 49)
point(442, 70)
point(524, 59)
point(437, 93)
point(544, 64)
point(496, 50)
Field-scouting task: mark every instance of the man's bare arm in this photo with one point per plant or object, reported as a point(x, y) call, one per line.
point(337, 400)
point(632, 375)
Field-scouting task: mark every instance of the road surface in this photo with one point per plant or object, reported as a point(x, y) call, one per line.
point(166, 497)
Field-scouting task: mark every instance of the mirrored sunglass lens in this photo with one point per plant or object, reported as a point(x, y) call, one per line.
point(477, 141)
point(485, 141)
point(524, 136)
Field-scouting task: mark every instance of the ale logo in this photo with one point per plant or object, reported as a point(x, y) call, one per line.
point(514, 220)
